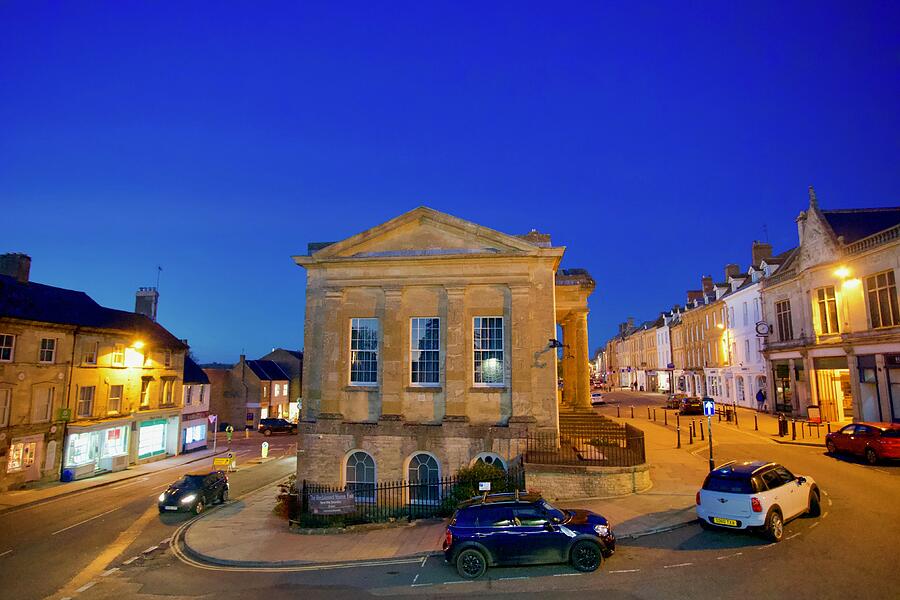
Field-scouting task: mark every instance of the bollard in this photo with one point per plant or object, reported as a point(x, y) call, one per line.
point(755, 423)
point(632, 411)
point(246, 433)
point(654, 415)
point(617, 412)
point(817, 431)
point(666, 418)
point(702, 435)
point(691, 435)
point(648, 413)
point(720, 416)
point(734, 410)
point(793, 429)
point(678, 433)
point(828, 426)
point(677, 420)
point(802, 430)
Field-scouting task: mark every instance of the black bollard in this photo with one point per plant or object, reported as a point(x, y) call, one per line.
point(666, 418)
point(678, 433)
point(632, 411)
point(702, 435)
point(828, 426)
point(648, 413)
point(677, 420)
point(755, 423)
point(654, 415)
point(617, 412)
point(734, 410)
point(793, 429)
point(691, 434)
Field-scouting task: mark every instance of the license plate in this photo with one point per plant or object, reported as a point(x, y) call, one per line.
point(171, 507)
point(729, 522)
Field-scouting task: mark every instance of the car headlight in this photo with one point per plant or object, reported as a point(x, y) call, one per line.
point(162, 497)
point(601, 530)
point(189, 498)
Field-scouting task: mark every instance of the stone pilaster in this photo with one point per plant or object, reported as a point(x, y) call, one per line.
point(522, 327)
point(335, 367)
point(393, 373)
point(582, 368)
point(455, 367)
point(569, 342)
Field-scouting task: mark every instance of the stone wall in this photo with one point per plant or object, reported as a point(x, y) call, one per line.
point(556, 482)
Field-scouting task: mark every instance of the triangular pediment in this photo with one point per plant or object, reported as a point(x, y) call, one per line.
point(426, 232)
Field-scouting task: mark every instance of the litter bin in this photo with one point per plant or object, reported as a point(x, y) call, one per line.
point(67, 476)
point(727, 414)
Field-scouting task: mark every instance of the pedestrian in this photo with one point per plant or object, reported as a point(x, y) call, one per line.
point(760, 401)
point(229, 431)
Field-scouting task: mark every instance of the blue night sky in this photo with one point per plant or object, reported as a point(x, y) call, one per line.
point(216, 139)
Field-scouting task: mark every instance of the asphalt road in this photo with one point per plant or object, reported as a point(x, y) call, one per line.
point(53, 546)
point(849, 551)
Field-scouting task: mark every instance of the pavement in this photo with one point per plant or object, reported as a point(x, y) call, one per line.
point(248, 534)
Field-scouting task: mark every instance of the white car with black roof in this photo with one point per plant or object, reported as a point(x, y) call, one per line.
point(755, 495)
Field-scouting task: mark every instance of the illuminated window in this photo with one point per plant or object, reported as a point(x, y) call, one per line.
point(363, 351)
point(48, 350)
point(42, 404)
point(89, 356)
point(114, 403)
point(882, 293)
point(7, 345)
point(85, 405)
point(488, 340)
point(827, 310)
point(118, 355)
point(360, 475)
point(5, 400)
point(167, 386)
point(145, 393)
point(425, 351)
point(783, 320)
point(187, 393)
point(21, 456)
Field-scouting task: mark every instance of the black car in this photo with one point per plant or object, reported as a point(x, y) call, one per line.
point(517, 529)
point(270, 426)
point(194, 492)
point(691, 406)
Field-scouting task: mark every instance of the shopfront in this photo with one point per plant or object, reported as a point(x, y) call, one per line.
point(193, 431)
point(892, 368)
point(97, 448)
point(784, 390)
point(835, 396)
point(158, 436)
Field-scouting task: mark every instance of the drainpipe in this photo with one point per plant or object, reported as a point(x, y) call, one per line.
point(65, 427)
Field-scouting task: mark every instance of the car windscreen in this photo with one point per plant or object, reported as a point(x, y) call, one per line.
point(553, 512)
point(728, 485)
point(190, 482)
point(891, 433)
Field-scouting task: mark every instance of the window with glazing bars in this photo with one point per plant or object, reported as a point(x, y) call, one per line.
point(488, 355)
point(783, 319)
point(425, 350)
point(882, 294)
point(363, 351)
point(827, 305)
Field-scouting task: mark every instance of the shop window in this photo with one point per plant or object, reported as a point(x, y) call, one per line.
point(47, 353)
point(42, 404)
point(152, 438)
point(114, 441)
point(424, 477)
point(363, 351)
point(85, 406)
point(21, 456)
point(5, 401)
point(783, 320)
point(359, 475)
point(79, 449)
point(195, 433)
point(739, 388)
point(114, 403)
point(425, 351)
point(7, 346)
point(488, 342)
point(881, 291)
point(826, 308)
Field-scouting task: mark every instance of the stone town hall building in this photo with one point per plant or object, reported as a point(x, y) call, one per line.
point(429, 345)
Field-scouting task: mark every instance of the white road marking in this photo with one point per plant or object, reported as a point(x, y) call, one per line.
point(150, 549)
point(420, 584)
point(125, 485)
point(86, 587)
point(824, 492)
point(766, 546)
point(452, 582)
point(829, 502)
point(165, 541)
point(131, 560)
point(85, 521)
point(825, 514)
point(619, 571)
point(678, 565)
point(415, 579)
point(510, 578)
point(729, 556)
point(5, 553)
point(790, 537)
point(424, 558)
point(110, 572)
point(814, 524)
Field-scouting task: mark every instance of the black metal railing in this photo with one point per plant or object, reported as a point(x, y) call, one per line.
point(620, 448)
point(397, 500)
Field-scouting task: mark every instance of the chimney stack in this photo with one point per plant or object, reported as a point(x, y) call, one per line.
point(760, 251)
point(732, 270)
point(707, 284)
point(693, 295)
point(16, 264)
point(630, 322)
point(145, 302)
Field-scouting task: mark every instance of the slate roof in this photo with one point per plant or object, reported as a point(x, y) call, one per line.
point(31, 301)
point(193, 373)
point(267, 370)
point(857, 224)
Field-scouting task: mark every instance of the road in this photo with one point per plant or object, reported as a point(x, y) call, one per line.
point(849, 551)
point(62, 544)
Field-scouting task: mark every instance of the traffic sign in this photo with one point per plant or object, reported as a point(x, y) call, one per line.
point(709, 407)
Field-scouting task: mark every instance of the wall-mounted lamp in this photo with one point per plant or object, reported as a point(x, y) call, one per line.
point(842, 272)
point(138, 344)
point(552, 343)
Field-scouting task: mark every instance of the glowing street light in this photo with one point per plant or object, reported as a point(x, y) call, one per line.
point(138, 345)
point(842, 272)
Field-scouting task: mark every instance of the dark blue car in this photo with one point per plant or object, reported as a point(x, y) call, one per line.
point(519, 529)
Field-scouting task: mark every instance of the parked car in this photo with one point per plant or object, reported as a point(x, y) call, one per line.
point(597, 399)
point(518, 529)
point(674, 401)
point(872, 441)
point(269, 426)
point(194, 492)
point(755, 495)
point(691, 406)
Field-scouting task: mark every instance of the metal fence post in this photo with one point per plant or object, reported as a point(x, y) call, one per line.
point(678, 433)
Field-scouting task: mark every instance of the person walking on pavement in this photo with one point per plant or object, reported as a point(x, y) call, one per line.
point(229, 431)
point(760, 401)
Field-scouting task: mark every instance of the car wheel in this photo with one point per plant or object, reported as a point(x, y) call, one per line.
point(706, 526)
point(198, 508)
point(223, 497)
point(775, 526)
point(471, 563)
point(267, 432)
point(829, 447)
point(871, 457)
point(585, 556)
point(815, 508)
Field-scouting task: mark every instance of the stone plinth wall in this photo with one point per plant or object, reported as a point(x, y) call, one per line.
point(556, 482)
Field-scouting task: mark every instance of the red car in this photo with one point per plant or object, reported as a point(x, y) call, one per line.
point(873, 441)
